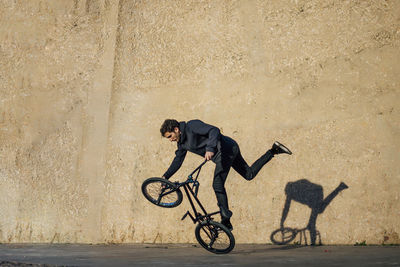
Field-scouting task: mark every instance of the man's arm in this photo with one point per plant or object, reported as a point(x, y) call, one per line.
point(212, 132)
point(180, 155)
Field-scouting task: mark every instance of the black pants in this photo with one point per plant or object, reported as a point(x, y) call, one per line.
point(229, 156)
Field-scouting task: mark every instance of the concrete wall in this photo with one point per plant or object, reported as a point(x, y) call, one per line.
point(85, 86)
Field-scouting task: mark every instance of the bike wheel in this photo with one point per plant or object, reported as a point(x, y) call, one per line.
point(215, 237)
point(162, 192)
point(283, 236)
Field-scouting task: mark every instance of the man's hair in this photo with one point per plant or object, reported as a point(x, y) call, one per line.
point(168, 126)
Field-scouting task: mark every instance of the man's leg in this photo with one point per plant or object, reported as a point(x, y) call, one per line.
point(248, 173)
point(223, 165)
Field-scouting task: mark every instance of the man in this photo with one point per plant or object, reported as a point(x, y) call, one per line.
point(207, 141)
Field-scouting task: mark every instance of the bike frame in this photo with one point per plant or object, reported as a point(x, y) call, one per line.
point(191, 192)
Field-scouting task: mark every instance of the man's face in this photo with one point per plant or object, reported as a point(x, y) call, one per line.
point(173, 136)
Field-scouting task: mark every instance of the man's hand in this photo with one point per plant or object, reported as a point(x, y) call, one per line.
point(209, 155)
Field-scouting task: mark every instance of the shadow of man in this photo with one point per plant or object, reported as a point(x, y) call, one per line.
point(310, 194)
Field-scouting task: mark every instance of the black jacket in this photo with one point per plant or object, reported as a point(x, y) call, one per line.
point(197, 137)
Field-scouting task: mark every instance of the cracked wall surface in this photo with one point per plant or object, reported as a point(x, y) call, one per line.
point(85, 86)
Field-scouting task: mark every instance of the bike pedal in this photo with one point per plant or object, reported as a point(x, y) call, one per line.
point(190, 215)
point(186, 214)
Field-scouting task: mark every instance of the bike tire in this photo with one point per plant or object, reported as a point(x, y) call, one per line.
point(215, 237)
point(283, 236)
point(169, 197)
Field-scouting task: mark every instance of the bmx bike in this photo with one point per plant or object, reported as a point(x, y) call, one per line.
point(285, 235)
point(212, 235)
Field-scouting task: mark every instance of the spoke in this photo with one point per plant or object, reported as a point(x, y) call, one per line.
point(159, 199)
point(169, 192)
point(160, 196)
point(211, 243)
point(202, 228)
point(212, 235)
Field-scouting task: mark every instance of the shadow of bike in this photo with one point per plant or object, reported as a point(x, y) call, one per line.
point(285, 235)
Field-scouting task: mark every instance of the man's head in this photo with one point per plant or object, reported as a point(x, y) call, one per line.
point(170, 130)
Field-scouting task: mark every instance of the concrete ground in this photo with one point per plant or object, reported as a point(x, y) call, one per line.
point(193, 255)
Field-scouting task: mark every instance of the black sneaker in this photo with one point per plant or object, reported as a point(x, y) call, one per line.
point(227, 224)
point(342, 186)
point(225, 213)
point(278, 148)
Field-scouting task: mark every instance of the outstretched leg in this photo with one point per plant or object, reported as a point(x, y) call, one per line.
point(248, 173)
